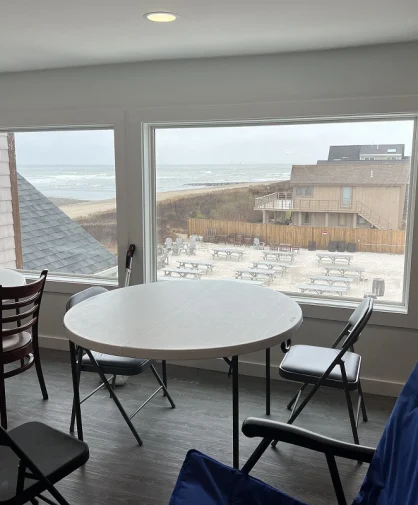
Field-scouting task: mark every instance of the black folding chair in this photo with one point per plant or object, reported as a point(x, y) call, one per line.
point(391, 478)
point(106, 364)
point(330, 367)
point(34, 457)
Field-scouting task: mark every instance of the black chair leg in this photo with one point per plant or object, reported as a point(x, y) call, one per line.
point(349, 405)
point(164, 368)
point(113, 385)
point(161, 383)
point(114, 397)
point(362, 404)
point(292, 401)
point(336, 481)
point(79, 357)
point(3, 410)
point(39, 369)
point(296, 411)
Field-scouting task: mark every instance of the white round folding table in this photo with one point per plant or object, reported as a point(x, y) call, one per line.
point(184, 320)
point(11, 278)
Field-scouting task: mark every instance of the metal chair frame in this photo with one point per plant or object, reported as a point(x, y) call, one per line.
point(351, 333)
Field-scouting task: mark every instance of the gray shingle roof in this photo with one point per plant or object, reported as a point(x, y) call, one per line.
point(370, 173)
point(50, 239)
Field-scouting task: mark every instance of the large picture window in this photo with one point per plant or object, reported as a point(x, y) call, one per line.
point(58, 202)
point(230, 205)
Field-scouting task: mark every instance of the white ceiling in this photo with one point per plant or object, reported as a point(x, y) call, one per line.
point(40, 34)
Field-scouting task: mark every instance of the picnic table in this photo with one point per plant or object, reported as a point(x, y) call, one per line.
point(208, 265)
point(332, 280)
point(255, 273)
point(341, 269)
point(182, 272)
point(278, 255)
point(321, 289)
point(228, 252)
point(333, 257)
point(272, 265)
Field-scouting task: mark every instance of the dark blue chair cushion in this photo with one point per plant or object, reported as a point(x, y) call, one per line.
point(392, 478)
point(204, 481)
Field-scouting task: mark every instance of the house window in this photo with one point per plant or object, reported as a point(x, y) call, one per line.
point(304, 190)
point(342, 219)
point(60, 207)
point(346, 196)
point(361, 220)
point(218, 187)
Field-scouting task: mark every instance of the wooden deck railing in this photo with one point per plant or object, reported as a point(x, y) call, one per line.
point(285, 201)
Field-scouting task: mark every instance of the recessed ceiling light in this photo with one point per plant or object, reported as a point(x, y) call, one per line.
point(160, 17)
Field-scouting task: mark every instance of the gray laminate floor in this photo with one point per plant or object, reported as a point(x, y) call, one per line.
point(120, 472)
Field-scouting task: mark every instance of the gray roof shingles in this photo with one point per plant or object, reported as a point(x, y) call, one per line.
point(50, 239)
point(369, 173)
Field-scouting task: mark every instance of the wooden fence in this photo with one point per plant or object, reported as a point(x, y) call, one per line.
point(366, 239)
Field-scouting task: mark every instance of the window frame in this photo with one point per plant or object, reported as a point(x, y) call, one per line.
point(302, 191)
point(396, 315)
point(344, 205)
point(20, 121)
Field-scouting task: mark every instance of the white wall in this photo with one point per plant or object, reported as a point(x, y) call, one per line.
point(355, 81)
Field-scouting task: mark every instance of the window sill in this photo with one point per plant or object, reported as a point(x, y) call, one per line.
point(391, 315)
point(71, 285)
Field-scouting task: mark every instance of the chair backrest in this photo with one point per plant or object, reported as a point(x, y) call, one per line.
point(168, 242)
point(355, 325)
point(19, 308)
point(256, 241)
point(24, 463)
point(358, 320)
point(85, 295)
point(392, 477)
point(210, 232)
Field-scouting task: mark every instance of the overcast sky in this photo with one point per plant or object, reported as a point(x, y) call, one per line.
point(226, 145)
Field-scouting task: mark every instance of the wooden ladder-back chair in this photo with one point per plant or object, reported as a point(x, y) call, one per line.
point(19, 312)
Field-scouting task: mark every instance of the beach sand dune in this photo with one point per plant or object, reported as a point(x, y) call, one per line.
point(82, 209)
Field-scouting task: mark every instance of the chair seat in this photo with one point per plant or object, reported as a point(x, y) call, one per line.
point(307, 363)
point(55, 453)
point(115, 365)
point(16, 341)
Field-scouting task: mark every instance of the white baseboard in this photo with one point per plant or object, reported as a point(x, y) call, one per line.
point(373, 386)
point(58, 343)
point(370, 385)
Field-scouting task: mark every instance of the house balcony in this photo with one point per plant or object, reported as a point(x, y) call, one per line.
point(284, 201)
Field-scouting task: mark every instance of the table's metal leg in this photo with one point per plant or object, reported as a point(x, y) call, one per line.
point(76, 400)
point(164, 367)
point(268, 382)
point(235, 413)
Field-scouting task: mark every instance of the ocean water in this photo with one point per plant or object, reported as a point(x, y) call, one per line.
point(97, 182)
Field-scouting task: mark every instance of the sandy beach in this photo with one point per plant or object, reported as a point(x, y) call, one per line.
point(82, 209)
